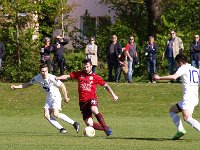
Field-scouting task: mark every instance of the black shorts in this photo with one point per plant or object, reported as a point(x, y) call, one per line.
point(85, 108)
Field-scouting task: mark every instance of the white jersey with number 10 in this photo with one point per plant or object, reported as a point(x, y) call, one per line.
point(190, 78)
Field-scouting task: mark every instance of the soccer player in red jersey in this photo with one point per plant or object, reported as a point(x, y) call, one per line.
point(88, 101)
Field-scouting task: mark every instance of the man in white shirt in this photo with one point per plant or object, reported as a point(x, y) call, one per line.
point(52, 106)
point(190, 82)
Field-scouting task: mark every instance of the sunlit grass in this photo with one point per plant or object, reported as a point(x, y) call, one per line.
point(139, 119)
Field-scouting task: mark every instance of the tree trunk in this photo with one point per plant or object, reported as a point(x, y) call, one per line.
point(154, 16)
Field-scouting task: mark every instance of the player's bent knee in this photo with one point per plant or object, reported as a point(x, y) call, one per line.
point(186, 118)
point(47, 116)
point(94, 110)
point(56, 114)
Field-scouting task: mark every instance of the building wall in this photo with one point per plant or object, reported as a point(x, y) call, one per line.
point(93, 7)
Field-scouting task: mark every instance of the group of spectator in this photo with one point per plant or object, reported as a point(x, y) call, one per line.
point(58, 61)
point(121, 59)
point(124, 59)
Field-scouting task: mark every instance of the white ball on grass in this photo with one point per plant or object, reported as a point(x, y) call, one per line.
point(89, 131)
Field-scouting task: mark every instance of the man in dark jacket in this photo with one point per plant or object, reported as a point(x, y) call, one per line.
point(195, 52)
point(58, 51)
point(151, 51)
point(114, 51)
point(2, 53)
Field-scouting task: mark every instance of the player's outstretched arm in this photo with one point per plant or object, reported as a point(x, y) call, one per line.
point(63, 77)
point(64, 91)
point(169, 77)
point(109, 89)
point(24, 85)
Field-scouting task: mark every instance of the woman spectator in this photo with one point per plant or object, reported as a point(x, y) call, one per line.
point(91, 53)
point(46, 51)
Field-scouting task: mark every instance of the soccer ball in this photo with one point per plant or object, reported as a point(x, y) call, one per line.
point(89, 131)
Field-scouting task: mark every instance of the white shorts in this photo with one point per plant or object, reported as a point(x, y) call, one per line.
point(54, 102)
point(189, 102)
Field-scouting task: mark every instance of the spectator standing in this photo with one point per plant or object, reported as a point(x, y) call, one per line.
point(114, 51)
point(195, 52)
point(91, 53)
point(174, 47)
point(58, 51)
point(131, 57)
point(151, 51)
point(46, 52)
point(2, 53)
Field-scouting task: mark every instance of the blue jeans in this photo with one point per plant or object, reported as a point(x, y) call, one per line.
point(172, 65)
point(130, 70)
point(112, 64)
point(151, 68)
point(195, 63)
point(119, 72)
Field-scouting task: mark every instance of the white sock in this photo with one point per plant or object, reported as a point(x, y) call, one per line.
point(177, 121)
point(194, 123)
point(55, 123)
point(65, 118)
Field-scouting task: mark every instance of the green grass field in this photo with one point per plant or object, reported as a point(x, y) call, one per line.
point(139, 119)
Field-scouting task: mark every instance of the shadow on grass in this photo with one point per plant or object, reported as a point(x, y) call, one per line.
point(96, 137)
point(144, 139)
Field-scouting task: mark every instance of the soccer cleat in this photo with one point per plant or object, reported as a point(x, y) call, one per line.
point(63, 131)
point(108, 131)
point(178, 135)
point(76, 126)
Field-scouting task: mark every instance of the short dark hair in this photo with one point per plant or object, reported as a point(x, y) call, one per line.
point(181, 58)
point(43, 65)
point(85, 61)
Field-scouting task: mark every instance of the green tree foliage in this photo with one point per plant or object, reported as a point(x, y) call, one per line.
point(54, 14)
point(16, 33)
point(131, 13)
point(16, 30)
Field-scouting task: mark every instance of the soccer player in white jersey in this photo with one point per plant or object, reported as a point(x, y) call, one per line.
point(52, 106)
point(190, 81)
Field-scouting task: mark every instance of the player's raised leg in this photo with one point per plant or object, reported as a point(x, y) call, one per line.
point(101, 120)
point(188, 118)
point(65, 118)
point(53, 121)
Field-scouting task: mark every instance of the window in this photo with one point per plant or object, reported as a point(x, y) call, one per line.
point(89, 24)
